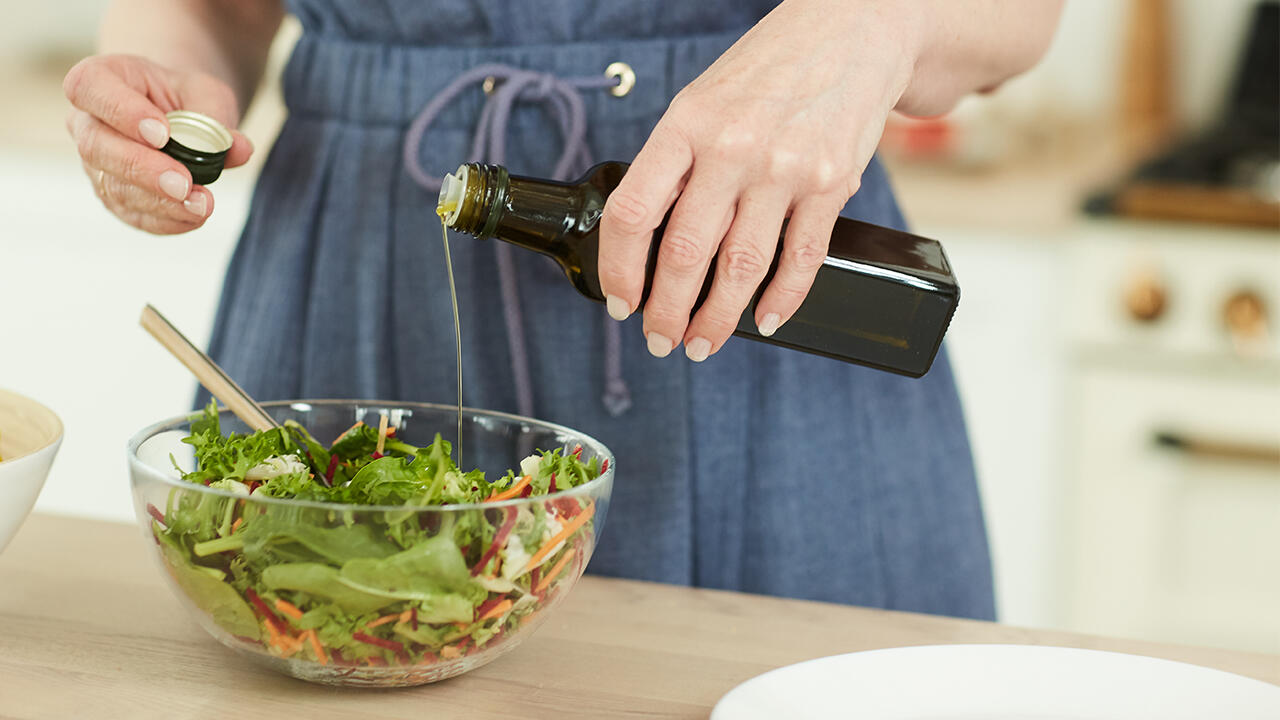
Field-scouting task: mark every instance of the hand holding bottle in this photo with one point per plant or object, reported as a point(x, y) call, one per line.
point(782, 125)
point(118, 123)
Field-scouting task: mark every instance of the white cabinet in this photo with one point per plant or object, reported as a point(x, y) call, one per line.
point(1094, 525)
point(1171, 544)
point(1176, 541)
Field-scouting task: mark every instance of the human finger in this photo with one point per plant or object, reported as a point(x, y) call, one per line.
point(803, 251)
point(633, 211)
point(148, 210)
point(698, 222)
point(104, 148)
point(742, 262)
point(96, 86)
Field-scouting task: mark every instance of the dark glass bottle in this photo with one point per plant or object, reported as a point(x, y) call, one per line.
point(882, 298)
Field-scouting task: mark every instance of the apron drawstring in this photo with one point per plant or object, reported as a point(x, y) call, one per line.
point(505, 85)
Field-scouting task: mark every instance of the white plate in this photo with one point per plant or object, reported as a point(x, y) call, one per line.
point(998, 682)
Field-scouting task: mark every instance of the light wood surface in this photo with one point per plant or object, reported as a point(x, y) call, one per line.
point(88, 629)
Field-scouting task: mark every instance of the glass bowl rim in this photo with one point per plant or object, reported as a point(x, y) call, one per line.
point(588, 488)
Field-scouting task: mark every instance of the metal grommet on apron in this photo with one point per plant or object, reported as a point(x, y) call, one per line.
point(625, 75)
point(504, 85)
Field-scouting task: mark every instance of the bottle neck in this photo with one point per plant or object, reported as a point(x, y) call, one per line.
point(535, 214)
point(553, 218)
point(469, 198)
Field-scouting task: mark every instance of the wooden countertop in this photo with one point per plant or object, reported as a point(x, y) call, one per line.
point(88, 629)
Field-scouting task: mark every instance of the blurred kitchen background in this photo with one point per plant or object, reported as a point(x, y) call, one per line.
point(1114, 218)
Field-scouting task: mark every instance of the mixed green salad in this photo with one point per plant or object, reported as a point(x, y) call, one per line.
point(386, 586)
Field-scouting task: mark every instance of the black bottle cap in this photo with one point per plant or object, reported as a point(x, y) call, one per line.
point(199, 142)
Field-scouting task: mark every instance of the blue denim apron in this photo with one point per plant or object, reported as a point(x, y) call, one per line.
point(763, 469)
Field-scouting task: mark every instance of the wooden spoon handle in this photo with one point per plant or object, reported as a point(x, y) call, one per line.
point(206, 371)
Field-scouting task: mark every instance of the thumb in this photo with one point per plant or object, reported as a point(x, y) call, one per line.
point(241, 150)
point(211, 96)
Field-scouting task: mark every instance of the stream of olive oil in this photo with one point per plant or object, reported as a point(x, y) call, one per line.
point(457, 326)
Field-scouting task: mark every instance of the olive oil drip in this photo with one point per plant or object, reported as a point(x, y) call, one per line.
point(442, 211)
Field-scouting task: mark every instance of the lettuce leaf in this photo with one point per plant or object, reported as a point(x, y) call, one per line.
point(321, 580)
point(204, 587)
point(429, 568)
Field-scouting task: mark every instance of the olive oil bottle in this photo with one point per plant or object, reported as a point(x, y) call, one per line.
point(882, 298)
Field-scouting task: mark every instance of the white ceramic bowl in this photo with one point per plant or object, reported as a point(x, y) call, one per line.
point(30, 434)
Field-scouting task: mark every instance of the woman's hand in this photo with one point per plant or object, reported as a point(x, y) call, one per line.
point(118, 123)
point(783, 125)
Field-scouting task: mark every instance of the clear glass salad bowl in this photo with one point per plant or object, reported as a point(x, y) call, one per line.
point(369, 595)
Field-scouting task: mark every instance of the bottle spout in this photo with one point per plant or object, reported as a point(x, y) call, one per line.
point(452, 190)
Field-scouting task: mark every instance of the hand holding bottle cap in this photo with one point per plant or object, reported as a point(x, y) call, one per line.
point(146, 165)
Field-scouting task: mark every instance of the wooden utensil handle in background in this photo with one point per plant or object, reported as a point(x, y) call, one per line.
point(1146, 84)
point(206, 371)
point(1206, 447)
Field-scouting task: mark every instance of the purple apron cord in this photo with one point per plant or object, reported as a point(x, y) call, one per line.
point(563, 102)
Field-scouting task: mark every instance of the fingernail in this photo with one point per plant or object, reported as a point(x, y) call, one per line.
point(196, 204)
point(154, 132)
point(618, 308)
point(175, 185)
point(697, 349)
point(769, 324)
point(659, 346)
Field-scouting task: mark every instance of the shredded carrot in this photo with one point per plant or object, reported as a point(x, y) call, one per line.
point(461, 626)
point(510, 492)
point(288, 608)
point(569, 528)
point(285, 644)
point(384, 620)
point(277, 644)
point(406, 615)
point(344, 432)
point(382, 432)
point(316, 647)
point(272, 633)
point(294, 644)
point(236, 525)
point(449, 652)
point(497, 610)
point(554, 572)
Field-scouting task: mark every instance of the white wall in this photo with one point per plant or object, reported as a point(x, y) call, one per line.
point(1079, 75)
point(73, 280)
